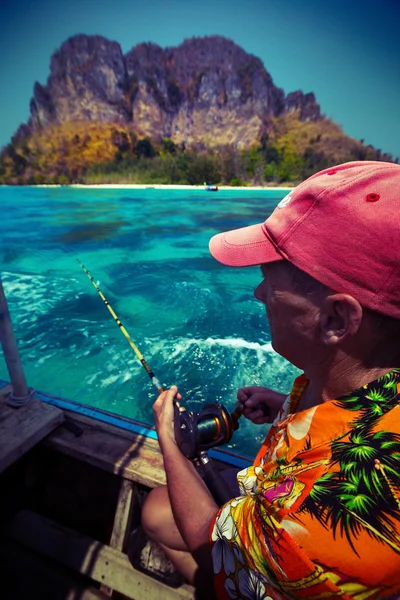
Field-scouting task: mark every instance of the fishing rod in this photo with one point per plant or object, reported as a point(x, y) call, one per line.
point(199, 431)
point(136, 350)
point(195, 432)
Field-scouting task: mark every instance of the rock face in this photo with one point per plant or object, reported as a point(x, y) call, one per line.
point(206, 91)
point(87, 82)
point(305, 103)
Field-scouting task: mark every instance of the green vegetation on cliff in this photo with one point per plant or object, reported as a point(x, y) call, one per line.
point(100, 152)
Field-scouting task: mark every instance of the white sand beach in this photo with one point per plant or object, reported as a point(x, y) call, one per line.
point(134, 186)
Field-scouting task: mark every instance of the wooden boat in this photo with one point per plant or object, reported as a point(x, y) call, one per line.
point(211, 188)
point(73, 479)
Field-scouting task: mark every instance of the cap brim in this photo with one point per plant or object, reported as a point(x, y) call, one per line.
point(244, 247)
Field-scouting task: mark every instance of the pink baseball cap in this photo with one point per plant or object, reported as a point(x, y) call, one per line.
point(341, 226)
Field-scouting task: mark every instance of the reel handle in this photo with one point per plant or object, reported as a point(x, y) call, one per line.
point(237, 413)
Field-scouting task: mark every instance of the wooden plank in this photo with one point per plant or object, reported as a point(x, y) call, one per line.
point(89, 557)
point(122, 521)
point(22, 428)
point(123, 515)
point(132, 456)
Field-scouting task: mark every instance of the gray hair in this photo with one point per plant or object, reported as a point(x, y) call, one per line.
point(385, 327)
point(302, 282)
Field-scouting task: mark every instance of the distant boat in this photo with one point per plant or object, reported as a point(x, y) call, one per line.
point(211, 188)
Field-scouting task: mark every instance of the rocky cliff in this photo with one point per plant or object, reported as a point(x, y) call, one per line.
point(202, 111)
point(207, 91)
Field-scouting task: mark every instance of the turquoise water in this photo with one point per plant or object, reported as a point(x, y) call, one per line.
point(195, 321)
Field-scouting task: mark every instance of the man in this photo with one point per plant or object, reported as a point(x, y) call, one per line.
point(319, 511)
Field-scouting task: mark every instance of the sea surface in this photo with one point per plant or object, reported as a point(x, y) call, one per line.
point(195, 321)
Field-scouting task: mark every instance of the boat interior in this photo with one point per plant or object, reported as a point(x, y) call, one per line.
point(72, 486)
point(71, 494)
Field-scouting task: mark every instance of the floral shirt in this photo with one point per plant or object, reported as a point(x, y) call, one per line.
point(319, 514)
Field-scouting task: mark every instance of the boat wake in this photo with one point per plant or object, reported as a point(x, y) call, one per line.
point(70, 348)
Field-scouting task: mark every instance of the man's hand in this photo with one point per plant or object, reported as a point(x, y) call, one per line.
point(260, 404)
point(163, 410)
point(192, 504)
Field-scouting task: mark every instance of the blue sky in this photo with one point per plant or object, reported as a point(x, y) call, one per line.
point(346, 51)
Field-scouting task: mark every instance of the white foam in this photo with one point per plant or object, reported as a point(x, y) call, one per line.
point(109, 380)
point(235, 343)
point(126, 376)
point(92, 379)
point(34, 294)
point(239, 343)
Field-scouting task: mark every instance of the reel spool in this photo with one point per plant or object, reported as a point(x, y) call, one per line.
point(197, 432)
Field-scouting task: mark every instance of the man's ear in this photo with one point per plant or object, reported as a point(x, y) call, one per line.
point(340, 318)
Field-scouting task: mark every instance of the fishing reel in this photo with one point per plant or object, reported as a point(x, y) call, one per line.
point(197, 432)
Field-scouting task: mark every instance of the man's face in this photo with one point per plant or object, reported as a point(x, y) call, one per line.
point(293, 317)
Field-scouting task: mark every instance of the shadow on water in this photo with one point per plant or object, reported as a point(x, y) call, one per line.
point(13, 253)
point(132, 276)
point(91, 232)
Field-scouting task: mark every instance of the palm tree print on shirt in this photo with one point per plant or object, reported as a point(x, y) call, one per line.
point(364, 494)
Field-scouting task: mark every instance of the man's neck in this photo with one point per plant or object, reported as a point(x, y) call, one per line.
point(341, 378)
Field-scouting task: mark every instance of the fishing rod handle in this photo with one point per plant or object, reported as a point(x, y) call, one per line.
point(214, 480)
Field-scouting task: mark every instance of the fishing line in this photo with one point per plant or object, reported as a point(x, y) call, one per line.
point(136, 350)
